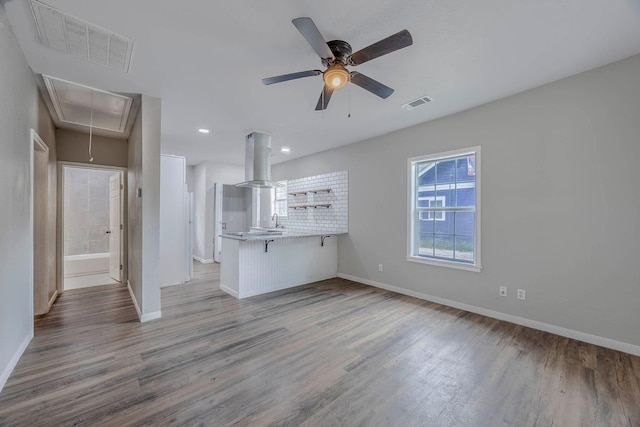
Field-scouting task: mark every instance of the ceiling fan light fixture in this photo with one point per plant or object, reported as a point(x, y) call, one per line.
point(336, 76)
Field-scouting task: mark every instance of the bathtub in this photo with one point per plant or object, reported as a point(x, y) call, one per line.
point(82, 265)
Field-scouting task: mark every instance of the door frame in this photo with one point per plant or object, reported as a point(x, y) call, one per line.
point(36, 145)
point(60, 217)
point(119, 267)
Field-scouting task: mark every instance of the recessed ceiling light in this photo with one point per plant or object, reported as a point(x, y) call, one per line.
point(203, 130)
point(285, 150)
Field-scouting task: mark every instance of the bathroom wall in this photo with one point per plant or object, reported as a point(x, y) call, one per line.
point(86, 211)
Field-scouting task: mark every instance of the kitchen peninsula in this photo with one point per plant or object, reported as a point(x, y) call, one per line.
point(255, 263)
point(302, 249)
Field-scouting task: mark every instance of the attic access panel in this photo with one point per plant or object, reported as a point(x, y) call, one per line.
point(74, 103)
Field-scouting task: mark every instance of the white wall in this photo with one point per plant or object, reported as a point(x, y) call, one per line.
point(205, 175)
point(199, 208)
point(144, 210)
point(173, 220)
point(331, 220)
point(191, 170)
point(559, 206)
point(18, 113)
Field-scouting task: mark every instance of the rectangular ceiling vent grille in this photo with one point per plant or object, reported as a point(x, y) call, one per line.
point(418, 102)
point(61, 31)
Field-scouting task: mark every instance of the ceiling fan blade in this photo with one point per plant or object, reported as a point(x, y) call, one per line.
point(292, 76)
point(311, 33)
point(390, 44)
point(325, 96)
point(373, 86)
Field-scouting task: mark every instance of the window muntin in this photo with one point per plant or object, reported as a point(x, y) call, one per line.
point(437, 202)
point(444, 209)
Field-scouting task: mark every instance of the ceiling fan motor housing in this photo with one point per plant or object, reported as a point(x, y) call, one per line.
point(341, 50)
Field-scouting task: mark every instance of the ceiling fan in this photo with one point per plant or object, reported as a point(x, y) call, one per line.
point(336, 56)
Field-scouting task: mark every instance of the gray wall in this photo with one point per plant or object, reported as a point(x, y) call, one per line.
point(559, 204)
point(73, 146)
point(144, 212)
point(20, 110)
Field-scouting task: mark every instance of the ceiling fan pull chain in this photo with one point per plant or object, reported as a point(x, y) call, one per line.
point(349, 95)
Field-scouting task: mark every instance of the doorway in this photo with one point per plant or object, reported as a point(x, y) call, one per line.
point(92, 225)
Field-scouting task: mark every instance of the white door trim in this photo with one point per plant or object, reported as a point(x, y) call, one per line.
point(60, 215)
point(115, 229)
point(36, 144)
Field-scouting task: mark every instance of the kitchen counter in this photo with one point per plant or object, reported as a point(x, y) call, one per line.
point(255, 263)
point(250, 236)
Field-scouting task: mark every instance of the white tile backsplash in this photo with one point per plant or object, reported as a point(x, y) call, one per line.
point(332, 220)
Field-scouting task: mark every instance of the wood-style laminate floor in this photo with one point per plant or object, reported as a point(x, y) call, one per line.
point(330, 353)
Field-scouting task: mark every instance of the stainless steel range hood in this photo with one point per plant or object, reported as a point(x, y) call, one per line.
point(257, 162)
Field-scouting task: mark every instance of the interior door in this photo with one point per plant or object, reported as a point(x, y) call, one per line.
point(114, 231)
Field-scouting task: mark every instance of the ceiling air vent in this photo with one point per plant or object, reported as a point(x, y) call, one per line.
point(61, 31)
point(418, 102)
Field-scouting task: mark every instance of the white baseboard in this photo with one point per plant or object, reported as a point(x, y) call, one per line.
point(228, 290)
point(14, 360)
point(52, 300)
point(135, 301)
point(534, 324)
point(151, 316)
point(143, 317)
point(202, 260)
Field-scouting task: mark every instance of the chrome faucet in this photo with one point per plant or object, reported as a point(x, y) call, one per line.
point(275, 215)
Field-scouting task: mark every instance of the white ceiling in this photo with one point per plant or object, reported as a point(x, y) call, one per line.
point(205, 59)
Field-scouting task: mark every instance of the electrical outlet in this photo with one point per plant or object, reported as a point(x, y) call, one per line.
point(522, 294)
point(503, 291)
point(380, 267)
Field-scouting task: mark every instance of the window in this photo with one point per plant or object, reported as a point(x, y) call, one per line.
point(437, 202)
point(444, 209)
point(279, 200)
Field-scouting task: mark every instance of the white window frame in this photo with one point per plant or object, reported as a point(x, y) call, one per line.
point(282, 185)
point(413, 215)
point(433, 215)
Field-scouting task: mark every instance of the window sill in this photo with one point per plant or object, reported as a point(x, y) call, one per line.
point(448, 264)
